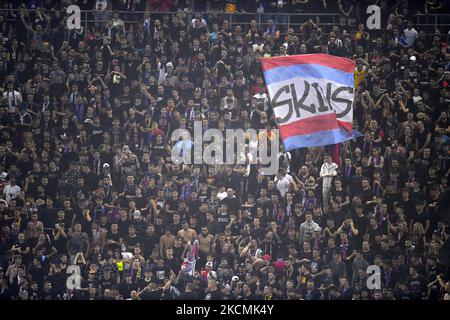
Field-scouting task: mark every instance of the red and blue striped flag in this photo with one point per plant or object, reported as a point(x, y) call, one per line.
point(312, 98)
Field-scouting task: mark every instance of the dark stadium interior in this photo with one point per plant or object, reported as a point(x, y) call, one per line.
point(92, 206)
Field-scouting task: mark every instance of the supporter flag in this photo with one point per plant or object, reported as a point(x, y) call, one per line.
point(312, 98)
point(188, 265)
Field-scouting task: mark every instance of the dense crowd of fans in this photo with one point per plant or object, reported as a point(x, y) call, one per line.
point(93, 208)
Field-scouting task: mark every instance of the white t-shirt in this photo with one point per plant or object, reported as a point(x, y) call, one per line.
point(263, 99)
point(410, 36)
point(203, 23)
point(328, 169)
point(11, 192)
point(13, 98)
point(282, 184)
point(222, 195)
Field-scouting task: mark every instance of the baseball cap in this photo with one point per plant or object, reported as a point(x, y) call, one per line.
point(266, 257)
point(137, 214)
point(106, 165)
point(209, 264)
point(169, 64)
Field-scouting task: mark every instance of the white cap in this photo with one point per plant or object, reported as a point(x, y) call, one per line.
point(209, 264)
point(413, 58)
point(257, 47)
point(106, 165)
point(169, 64)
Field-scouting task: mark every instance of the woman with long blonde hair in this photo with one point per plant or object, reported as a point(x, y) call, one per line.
point(418, 235)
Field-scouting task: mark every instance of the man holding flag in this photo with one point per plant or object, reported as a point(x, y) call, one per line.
point(312, 100)
point(188, 265)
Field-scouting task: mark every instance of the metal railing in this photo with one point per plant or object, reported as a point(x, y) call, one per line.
point(427, 22)
point(432, 22)
point(285, 20)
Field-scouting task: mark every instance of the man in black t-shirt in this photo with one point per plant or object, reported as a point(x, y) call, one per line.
point(132, 240)
point(420, 215)
point(223, 217)
point(247, 293)
point(106, 281)
point(232, 202)
point(361, 223)
point(356, 181)
point(366, 194)
point(213, 292)
point(151, 292)
point(161, 271)
point(417, 284)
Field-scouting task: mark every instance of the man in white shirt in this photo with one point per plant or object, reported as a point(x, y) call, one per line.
point(262, 100)
point(11, 190)
point(327, 172)
point(202, 23)
point(163, 71)
point(411, 34)
point(282, 181)
point(12, 97)
point(284, 156)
